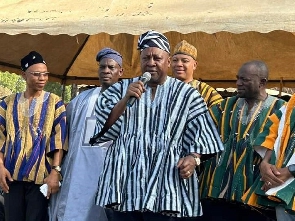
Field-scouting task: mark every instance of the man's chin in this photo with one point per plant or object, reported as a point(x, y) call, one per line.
point(105, 81)
point(39, 88)
point(241, 95)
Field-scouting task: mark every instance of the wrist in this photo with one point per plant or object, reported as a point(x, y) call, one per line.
point(291, 169)
point(265, 161)
point(196, 158)
point(56, 170)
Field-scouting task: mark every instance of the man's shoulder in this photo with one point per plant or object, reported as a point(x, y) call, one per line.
point(85, 95)
point(178, 83)
point(185, 88)
point(272, 99)
point(205, 86)
point(53, 99)
point(10, 98)
point(230, 100)
point(51, 95)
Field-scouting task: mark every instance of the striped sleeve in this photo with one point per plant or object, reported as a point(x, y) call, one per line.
point(3, 133)
point(210, 95)
point(201, 131)
point(270, 131)
point(216, 111)
point(104, 105)
point(59, 130)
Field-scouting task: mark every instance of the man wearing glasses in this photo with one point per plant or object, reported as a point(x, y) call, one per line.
point(32, 144)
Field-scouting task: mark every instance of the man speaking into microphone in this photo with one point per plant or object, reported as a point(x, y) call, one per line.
point(149, 170)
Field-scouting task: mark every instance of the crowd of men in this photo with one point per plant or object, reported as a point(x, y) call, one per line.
point(160, 148)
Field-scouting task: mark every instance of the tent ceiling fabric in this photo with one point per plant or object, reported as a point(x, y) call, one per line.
point(219, 55)
point(59, 51)
point(226, 33)
point(134, 17)
point(71, 59)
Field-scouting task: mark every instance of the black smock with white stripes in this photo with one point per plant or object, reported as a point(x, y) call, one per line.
point(140, 169)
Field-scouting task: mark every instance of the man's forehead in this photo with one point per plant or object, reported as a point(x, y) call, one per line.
point(107, 61)
point(182, 56)
point(153, 51)
point(37, 67)
point(248, 70)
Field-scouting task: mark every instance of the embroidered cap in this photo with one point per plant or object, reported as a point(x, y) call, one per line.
point(184, 47)
point(153, 39)
point(32, 58)
point(109, 53)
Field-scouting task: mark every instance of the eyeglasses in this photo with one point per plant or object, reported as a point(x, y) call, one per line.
point(39, 74)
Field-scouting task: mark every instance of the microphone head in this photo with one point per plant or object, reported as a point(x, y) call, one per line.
point(146, 77)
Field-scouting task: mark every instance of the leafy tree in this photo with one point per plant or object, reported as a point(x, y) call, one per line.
point(57, 88)
point(15, 83)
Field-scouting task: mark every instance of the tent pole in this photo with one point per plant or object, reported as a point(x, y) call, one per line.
point(63, 92)
point(74, 91)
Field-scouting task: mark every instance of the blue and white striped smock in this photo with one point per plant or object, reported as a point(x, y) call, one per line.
point(150, 137)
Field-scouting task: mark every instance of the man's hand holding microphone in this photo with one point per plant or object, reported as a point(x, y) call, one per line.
point(136, 89)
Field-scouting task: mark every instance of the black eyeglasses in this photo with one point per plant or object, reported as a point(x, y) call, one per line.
point(39, 74)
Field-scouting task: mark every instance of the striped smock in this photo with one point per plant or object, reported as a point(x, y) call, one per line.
point(231, 173)
point(209, 94)
point(140, 169)
point(29, 133)
point(278, 135)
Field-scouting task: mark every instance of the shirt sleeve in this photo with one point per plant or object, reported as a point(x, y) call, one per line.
point(201, 135)
point(210, 95)
point(216, 111)
point(3, 133)
point(104, 105)
point(59, 129)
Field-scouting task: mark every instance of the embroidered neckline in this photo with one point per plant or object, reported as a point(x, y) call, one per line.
point(27, 109)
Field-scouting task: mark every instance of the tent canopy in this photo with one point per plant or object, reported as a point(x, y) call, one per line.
point(73, 17)
point(226, 33)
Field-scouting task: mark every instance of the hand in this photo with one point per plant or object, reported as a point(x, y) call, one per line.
point(186, 166)
point(53, 183)
point(135, 89)
point(271, 176)
point(4, 176)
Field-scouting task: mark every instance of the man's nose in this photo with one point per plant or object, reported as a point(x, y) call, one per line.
point(42, 76)
point(239, 82)
point(151, 62)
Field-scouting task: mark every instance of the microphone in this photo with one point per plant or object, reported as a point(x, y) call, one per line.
point(144, 79)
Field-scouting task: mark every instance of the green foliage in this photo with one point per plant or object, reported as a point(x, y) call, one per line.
point(15, 83)
point(57, 88)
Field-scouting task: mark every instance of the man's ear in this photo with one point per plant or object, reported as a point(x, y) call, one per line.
point(263, 81)
point(24, 76)
point(195, 65)
point(121, 72)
